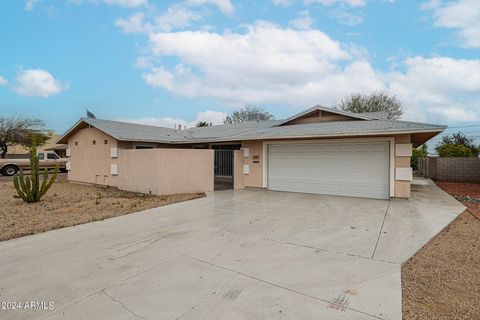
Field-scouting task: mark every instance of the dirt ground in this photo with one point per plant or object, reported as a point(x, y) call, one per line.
point(60, 177)
point(442, 281)
point(466, 193)
point(67, 204)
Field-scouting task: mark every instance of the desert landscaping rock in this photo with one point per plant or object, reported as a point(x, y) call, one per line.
point(67, 204)
point(442, 280)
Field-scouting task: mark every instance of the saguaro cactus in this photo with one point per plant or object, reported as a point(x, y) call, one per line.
point(30, 189)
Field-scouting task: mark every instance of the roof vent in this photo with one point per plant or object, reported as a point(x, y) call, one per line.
point(252, 117)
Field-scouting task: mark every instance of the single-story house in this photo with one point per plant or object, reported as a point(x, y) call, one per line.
point(320, 150)
point(21, 152)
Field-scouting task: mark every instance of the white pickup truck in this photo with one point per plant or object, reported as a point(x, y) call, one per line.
point(49, 160)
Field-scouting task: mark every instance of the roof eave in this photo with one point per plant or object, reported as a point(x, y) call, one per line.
point(376, 133)
point(68, 132)
point(72, 129)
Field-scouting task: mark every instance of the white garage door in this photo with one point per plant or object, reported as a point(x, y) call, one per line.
point(358, 169)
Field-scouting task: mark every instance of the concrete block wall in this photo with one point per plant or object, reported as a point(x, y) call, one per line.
point(451, 169)
point(458, 169)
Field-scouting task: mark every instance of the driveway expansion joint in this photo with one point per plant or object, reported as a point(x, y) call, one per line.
point(381, 228)
point(282, 287)
point(123, 305)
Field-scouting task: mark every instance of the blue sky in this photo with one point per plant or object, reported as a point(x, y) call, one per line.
point(168, 62)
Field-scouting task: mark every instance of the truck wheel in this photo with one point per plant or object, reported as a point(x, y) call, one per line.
point(9, 170)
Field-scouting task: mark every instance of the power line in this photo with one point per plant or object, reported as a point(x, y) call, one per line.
point(467, 126)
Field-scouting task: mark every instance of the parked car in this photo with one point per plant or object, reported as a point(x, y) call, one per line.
point(48, 160)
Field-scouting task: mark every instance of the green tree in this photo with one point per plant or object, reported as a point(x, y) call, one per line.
point(460, 139)
point(241, 115)
point(18, 131)
point(374, 102)
point(202, 124)
point(29, 188)
point(454, 150)
point(417, 153)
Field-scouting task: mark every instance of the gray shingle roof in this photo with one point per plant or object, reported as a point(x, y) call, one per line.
point(229, 130)
point(380, 115)
point(340, 128)
point(135, 132)
point(253, 130)
point(361, 116)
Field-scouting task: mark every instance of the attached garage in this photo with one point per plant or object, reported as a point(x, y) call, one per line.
point(356, 169)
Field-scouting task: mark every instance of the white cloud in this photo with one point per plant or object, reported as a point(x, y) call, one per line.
point(37, 82)
point(118, 3)
point(282, 3)
point(439, 87)
point(269, 64)
point(126, 3)
point(3, 81)
point(30, 4)
point(347, 18)
point(209, 116)
point(264, 64)
point(225, 6)
point(133, 24)
point(175, 17)
point(461, 15)
point(352, 3)
point(303, 22)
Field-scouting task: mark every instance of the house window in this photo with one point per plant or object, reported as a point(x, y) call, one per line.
point(106, 141)
point(76, 143)
point(94, 142)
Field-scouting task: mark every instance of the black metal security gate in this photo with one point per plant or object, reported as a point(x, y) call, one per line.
point(223, 173)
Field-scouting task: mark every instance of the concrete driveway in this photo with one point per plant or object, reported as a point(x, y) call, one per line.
point(248, 254)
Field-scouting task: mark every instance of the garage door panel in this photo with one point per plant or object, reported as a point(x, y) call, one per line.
point(348, 169)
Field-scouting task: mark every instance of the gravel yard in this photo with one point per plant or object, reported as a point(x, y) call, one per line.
point(67, 204)
point(441, 281)
point(466, 193)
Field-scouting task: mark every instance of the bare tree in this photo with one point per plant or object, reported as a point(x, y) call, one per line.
point(241, 115)
point(375, 102)
point(19, 131)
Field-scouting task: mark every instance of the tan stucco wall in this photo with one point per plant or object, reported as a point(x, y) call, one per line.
point(238, 177)
point(165, 171)
point(402, 188)
point(255, 177)
point(90, 163)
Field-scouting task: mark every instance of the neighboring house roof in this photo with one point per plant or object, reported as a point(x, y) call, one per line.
point(366, 124)
point(49, 144)
point(58, 147)
point(379, 115)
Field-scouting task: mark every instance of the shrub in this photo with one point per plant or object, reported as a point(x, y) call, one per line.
point(459, 138)
point(418, 153)
point(454, 150)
